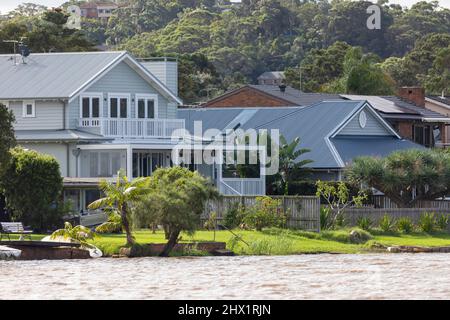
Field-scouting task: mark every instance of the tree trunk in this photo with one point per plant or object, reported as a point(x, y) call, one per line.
point(173, 239)
point(126, 226)
point(166, 232)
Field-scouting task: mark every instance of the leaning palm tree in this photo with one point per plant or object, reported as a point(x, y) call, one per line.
point(119, 197)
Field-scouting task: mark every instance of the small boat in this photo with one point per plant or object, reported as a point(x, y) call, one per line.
point(7, 253)
point(94, 252)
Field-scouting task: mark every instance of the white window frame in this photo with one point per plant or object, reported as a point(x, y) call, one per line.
point(90, 96)
point(25, 103)
point(112, 95)
point(153, 97)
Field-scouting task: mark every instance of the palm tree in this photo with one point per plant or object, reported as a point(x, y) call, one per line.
point(79, 234)
point(120, 196)
point(290, 165)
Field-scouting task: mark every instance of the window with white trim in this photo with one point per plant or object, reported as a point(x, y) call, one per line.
point(119, 106)
point(90, 106)
point(29, 109)
point(146, 107)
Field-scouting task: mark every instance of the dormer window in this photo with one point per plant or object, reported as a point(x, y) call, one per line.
point(29, 109)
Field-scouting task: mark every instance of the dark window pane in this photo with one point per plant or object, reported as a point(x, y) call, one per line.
point(141, 108)
point(29, 109)
point(150, 109)
point(123, 108)
point(95, 107)
point(86, 113)
point(113, 106)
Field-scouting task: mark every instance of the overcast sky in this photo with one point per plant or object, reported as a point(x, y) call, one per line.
point(7, 5)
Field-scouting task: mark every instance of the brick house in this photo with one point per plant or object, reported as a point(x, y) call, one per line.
point(406, 112)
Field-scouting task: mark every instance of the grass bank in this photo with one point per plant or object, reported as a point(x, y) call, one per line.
point(280, 242)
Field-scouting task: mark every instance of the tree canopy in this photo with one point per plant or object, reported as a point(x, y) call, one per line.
point(405, 176)
point(7, 137)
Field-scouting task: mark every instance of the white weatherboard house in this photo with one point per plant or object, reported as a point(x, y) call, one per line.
point(96, 113)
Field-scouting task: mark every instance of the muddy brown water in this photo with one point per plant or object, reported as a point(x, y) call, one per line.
point(367, 276)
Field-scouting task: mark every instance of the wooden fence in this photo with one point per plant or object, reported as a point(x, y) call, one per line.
point(304, 211)
point(353, 214)
point(385, 202)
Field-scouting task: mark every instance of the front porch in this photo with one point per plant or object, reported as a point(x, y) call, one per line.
point(138, 160)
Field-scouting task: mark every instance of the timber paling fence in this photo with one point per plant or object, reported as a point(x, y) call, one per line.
point(303, 211)
point(351, 215)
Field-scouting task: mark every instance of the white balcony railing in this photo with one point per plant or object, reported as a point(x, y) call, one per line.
point(134, 128)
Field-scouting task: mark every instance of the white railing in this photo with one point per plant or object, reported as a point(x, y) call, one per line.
point(233, 186)
point(134, 128)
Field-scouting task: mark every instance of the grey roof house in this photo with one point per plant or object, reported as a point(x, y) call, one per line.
point(335, 131)
point(406, 113)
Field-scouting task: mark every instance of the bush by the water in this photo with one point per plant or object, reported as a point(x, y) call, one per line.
point(233, 216)
point(442, 222)
point(266, 212)
point(405, 225)
point(364, 223)
point(358, 236)
point(387, 223)
point(427, 222)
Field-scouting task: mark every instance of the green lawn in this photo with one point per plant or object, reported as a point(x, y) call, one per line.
point(278, 242)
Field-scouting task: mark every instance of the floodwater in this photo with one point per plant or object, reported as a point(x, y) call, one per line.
point(367, 276)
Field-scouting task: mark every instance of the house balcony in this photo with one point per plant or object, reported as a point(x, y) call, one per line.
point(133, 128)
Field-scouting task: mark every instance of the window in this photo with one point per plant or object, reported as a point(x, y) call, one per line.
point(90, 106)
point(146, 106)
point(29, 109)
point(118, 106)
point(423, 134)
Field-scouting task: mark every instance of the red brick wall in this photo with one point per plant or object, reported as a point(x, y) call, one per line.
point(413, 94)
point(405, 129)
point(248, 97)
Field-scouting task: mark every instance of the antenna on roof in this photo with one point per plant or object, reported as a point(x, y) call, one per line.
point(24, 51)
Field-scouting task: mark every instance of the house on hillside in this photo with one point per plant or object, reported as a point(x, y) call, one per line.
point(272, 78)
point(406, 113)
point(98, 10)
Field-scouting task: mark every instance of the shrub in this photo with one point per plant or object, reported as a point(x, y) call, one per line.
point(233, 216)
point(359, 236)
point(113, 225)
point(427, 222)
point(32, 185)
point(325, 218)
point(387, 223)
point(442, 222)
point(364, 223)
point(264, 213)
point(405, 225)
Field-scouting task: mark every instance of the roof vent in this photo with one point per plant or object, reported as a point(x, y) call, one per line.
point(282, 88)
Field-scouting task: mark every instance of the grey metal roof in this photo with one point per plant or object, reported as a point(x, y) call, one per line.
point(57, 135)
point(312, 124)
point(444, 100)
point(50, 75)
point(351, 147)
point(294, 96)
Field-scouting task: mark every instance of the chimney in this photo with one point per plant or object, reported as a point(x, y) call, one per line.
point(413, 94)
point(165, 69)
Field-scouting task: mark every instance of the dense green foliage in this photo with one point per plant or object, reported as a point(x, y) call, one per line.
point(175, 199)
point(266, 212)
point(405, 176)
point(120, 197)
point(32, 185)
point(222, 45)
point(7, 138)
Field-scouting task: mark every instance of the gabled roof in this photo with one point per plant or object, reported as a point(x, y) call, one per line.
point(64, 75)
point(315, 125)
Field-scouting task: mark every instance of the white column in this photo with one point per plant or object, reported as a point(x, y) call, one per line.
point(129, 162)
